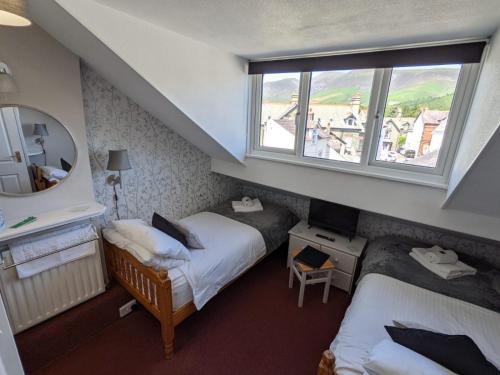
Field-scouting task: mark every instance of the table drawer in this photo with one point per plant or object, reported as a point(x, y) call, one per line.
point(343, 262)
point(341, 280)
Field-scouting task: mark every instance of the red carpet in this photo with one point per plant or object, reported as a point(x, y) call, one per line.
point(253, 327)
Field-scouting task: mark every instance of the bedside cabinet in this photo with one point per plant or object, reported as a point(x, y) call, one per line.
point(344, 254)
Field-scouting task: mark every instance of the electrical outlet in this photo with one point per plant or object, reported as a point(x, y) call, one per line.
point(127, 308)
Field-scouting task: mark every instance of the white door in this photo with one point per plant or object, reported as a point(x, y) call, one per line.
point(14, 177)
point(10, 364)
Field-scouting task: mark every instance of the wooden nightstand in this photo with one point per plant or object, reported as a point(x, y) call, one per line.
point(344, 254)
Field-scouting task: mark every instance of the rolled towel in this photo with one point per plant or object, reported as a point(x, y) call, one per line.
point(247, 202)
point(440, 256)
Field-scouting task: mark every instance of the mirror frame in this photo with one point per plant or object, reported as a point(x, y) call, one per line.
point(3, 194)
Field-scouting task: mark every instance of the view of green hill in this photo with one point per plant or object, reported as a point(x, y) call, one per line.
point(410, 88)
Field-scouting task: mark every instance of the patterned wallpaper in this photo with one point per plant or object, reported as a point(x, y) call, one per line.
point(168, 175)
point(373, 225)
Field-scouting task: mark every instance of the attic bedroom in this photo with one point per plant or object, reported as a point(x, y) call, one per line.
point(249, 187)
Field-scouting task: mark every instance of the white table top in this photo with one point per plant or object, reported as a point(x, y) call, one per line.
point(354, 247)
point(52, 219)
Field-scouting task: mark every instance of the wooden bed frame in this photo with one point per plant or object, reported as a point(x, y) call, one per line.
point(152, 289)
point(327, 364)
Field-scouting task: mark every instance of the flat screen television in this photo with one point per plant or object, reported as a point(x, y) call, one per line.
point(334, 217)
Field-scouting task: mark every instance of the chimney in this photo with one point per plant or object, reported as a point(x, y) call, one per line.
point(355, 103)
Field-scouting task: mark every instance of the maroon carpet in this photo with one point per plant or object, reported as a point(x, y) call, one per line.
point(253, 327)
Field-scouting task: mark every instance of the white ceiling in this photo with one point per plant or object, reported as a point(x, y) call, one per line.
point(267, 28)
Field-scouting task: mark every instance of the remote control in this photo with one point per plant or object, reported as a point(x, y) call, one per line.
point(325, 237)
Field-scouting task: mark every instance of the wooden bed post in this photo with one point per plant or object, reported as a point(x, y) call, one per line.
point(327, 364)
point(166, 316)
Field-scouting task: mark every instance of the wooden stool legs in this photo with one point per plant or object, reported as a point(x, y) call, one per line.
point(302, 288)
point(327, 286)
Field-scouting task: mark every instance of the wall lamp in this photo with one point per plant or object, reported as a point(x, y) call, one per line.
point(117, 161)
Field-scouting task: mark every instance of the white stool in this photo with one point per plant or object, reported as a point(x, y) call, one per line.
point(302, 271)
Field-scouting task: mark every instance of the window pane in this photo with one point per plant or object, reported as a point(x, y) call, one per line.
point(280, 102)
point(336, 121)
point(416, 114)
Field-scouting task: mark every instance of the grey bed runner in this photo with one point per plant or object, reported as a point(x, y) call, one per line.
point(389, 256)
point(273, 222)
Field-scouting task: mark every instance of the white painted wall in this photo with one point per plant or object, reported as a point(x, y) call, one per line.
point(483, 120)
point(48, 78)
point(401, 200)
point(207, 84)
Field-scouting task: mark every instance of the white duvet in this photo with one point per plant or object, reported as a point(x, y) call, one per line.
point(381, 299)
point(230, 249)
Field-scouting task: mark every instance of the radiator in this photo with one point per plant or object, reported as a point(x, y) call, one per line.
point(32, 300)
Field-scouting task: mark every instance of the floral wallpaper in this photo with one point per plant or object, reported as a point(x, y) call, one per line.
point(373, 225)
point(168, 175)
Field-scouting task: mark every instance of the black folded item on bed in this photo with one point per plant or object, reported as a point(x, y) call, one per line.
point(389, 256)
point(273, 222)
point(458, 353)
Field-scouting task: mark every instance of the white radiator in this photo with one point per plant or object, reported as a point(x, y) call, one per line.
point(32, 300)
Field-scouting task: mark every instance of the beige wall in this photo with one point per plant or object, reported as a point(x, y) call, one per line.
point(48, 78)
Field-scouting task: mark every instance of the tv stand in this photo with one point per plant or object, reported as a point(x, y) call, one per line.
point(344, 252)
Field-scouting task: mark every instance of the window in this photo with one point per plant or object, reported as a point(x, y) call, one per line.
point(279, 109)
point(337, 114)
point(416, 114)
point(400, 123)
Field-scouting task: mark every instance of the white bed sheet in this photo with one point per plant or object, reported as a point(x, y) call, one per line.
point(381, 299)
point(231, 248)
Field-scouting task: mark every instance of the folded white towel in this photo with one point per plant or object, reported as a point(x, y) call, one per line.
point(445, 271)
point(45, 244)
point(239, 206)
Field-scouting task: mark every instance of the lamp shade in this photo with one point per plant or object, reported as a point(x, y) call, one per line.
point(40, 129)
point(118, 160)
point(14, 13)
point(7, 83)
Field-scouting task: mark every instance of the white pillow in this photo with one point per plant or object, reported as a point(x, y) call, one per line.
point(152, 239)
point(390, 358)
point(193, 240)
point(53, 172)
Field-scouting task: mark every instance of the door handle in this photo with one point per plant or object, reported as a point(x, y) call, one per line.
point(17, 157)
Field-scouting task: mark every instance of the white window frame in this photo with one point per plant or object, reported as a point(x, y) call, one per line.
point(368, 165)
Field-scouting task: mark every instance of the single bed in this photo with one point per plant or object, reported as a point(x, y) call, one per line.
point(233, 244)
point(382, 297)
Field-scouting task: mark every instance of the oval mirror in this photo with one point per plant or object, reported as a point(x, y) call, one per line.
point(36, 151)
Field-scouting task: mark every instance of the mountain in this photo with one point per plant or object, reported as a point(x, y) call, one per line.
point(409, 87)
point(280, 91)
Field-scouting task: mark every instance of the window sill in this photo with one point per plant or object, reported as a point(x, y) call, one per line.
point(429, 180)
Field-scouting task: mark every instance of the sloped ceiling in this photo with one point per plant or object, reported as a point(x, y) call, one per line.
point(475, 179)
point(169, 75)
point(264, 28)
